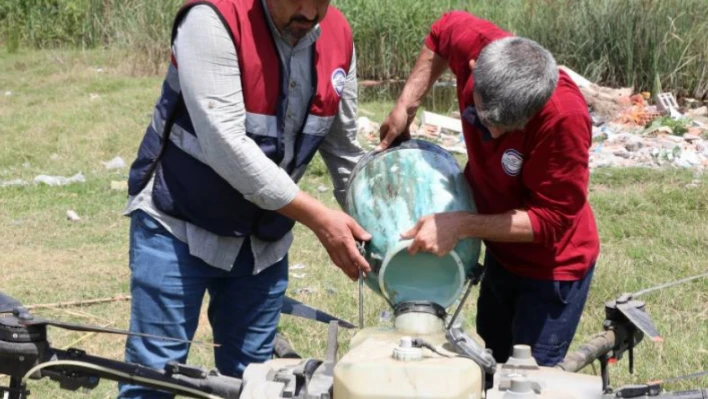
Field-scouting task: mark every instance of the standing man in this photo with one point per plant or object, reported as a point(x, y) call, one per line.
point(528, 132)
point(255, 88)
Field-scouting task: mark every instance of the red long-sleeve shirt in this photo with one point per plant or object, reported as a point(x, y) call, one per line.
point(542, 169)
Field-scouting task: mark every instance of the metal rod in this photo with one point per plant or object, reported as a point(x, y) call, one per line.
point(671, 284)
point(361, 299)
point(462, 303)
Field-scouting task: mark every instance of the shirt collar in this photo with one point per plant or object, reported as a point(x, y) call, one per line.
point(306, 41)
point(471, 116)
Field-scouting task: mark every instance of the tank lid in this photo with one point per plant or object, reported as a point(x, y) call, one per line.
point(419, 307)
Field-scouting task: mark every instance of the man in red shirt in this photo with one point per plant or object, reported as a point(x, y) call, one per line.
point(528, 132)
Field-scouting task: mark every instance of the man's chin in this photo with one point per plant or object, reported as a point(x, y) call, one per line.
point(299, 29)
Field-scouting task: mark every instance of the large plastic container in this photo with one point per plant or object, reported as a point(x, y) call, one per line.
point(370, 369)
point(387, 194)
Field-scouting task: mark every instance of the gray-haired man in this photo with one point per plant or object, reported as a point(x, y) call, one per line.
point(527, 130)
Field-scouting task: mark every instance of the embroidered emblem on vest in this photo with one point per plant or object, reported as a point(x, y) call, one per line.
point(339, 77)
point(511, 162)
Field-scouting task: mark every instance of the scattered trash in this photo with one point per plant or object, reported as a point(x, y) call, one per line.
point(8, 93)
point(442, 121)
point(299, 275)
point(59, 180)
point(298, 266)
point(120, 185)
point(322, 189)
point(26, 165)
point(367, 128)
point(702, 111)
point(54, 157)
point(94, 96)
point(115, 163)
point(13, 183)
point(693, 184)
point(99, 70)
point(629, 129)
point(73, 216)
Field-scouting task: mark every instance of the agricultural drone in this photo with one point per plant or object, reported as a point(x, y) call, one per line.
point(424, 343)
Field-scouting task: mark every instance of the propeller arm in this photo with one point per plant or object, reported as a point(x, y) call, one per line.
point(296, 308)
point(8, 303)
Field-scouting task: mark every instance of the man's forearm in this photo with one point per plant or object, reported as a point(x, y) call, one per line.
point(514, 226)
point(306, 210)
point(426, 71)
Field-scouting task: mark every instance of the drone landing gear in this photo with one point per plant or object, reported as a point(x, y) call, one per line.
point(15, 390)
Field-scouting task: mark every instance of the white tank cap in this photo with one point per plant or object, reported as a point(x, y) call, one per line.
point(522, 356)
point(520, 388)
point(405, 350)
point(521, 352)
point(520, 385)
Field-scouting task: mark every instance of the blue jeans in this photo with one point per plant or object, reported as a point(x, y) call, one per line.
point(168, 286)
point(543, 314)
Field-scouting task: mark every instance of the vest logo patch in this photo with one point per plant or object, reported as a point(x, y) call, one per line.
point(339, 77)
point(511, 162)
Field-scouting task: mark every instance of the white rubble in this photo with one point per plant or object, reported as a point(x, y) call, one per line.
point(115, 163)
point(614, 145)
point(652, 150)
point(59, 180)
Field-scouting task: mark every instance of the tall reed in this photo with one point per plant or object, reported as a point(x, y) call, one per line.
point(615, 42)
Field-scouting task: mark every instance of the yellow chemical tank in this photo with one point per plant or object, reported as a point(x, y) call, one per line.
point(385, 363)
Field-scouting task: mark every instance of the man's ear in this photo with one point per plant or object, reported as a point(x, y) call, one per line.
point(472, 64)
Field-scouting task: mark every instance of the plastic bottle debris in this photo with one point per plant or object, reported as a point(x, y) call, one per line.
point(13, 183)
point(73, 216)
point(115, 163)
point(59, 180)
point(299, 275)
point(322, 189)
point(119, 185)
point(298, 266)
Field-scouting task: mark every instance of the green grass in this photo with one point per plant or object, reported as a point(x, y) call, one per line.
point(653, 228)
point(635, 43)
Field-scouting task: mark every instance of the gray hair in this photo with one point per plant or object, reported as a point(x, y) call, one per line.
point(514, 78)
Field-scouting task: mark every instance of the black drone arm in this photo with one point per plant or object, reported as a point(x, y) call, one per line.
point(75, 369)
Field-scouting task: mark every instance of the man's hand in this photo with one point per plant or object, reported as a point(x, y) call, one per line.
point(338, 231)
point(437, 233)
point(395, 125)
point(426, 71)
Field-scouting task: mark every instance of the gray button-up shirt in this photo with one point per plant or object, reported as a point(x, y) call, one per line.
point(209, 78)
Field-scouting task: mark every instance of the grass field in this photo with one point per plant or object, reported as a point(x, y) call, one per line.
point(67, 111)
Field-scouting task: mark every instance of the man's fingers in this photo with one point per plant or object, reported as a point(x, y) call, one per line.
point(388, 135)
point(384, 129)
point(357, 231)
point(359, 261)
point(414, 247)
point(412, 232)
